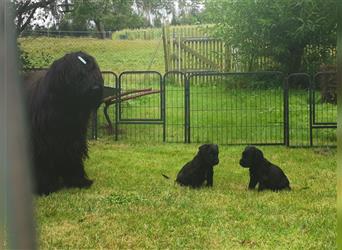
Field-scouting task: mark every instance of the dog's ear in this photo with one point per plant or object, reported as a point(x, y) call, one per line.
point(204, 147)
point(258, 155)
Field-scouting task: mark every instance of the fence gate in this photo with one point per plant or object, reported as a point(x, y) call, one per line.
point(190, 50)
point(324, 108)
point(312, 109)
point(140, 110)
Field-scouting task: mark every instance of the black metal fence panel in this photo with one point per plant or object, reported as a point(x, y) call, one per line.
point(174, 82)
point(106, 113)
point(225, 108)
point(140, 114)
point(324, 109)
point(237, 108)
point(324, 100)
point(299, 110)
point(99, 125)
point(312, 118)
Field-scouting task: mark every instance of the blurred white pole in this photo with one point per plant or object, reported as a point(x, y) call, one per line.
point(17, 224)
point(339, 126)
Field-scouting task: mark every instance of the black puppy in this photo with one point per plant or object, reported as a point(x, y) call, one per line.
point(262, 171)
point(195, 172)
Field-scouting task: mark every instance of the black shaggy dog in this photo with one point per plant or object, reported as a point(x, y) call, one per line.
point(262, 171)
point(195, 172)
point(60, 101)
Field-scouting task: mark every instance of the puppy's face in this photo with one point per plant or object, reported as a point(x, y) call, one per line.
point(250, 156)
point(210, 153)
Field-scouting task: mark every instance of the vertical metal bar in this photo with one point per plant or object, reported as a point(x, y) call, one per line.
point(166, 50)
point(163, 104)
point(189, 115)
point(117, 106)
point(312, 102)
point(311, 89)
point(286, 112)
point(185, 108)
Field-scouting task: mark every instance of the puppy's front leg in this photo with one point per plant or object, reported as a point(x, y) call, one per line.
point(252, 181)
point(210, 175)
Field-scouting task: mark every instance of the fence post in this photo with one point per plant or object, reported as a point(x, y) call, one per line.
point(187, 110)
point(227, 58)
point(163, 108)
point(311, 100)
point(117, 106)
point(286, 112)
point(166, 55)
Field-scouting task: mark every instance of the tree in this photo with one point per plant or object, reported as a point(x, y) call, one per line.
point(278, 29)
point(26, 10)
point(88, 10)
point(152, 8)
point(189, 11)
point(105, 14)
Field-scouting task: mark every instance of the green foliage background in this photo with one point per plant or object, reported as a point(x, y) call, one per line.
point(278, 29)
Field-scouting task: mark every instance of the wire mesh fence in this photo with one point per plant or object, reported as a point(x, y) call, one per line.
point(225, 108)
point(175, 106)
point(140, 114)
point(298, 86)
point(237, 108)
point(324, 111)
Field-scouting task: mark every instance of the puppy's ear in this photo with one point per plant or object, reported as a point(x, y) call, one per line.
point(204, 147)
point(258, 155)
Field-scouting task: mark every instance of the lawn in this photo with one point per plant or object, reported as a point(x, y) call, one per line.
point(132, 206)
point(114, 55)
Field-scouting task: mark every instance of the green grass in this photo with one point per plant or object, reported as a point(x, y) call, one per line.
point(111, 55)
point(131, 206)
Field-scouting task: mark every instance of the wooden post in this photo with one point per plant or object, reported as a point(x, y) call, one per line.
point(227, 54)
point(166, 55)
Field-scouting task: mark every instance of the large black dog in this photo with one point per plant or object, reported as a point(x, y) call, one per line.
point(268, 175)
point(60, 101)
point(200, 169)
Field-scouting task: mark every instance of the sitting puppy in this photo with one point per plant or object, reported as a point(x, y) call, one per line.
point(195, 172)
point(262, 171)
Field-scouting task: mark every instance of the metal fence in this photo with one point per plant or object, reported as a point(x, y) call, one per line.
point(226, 108)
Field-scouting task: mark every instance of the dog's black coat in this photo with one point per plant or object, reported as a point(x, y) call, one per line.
point(60, 101)
point(268, 175)
point(200, 169)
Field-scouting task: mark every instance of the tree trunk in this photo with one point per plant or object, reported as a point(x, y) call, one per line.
point(296, 53)
point(100, 29)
